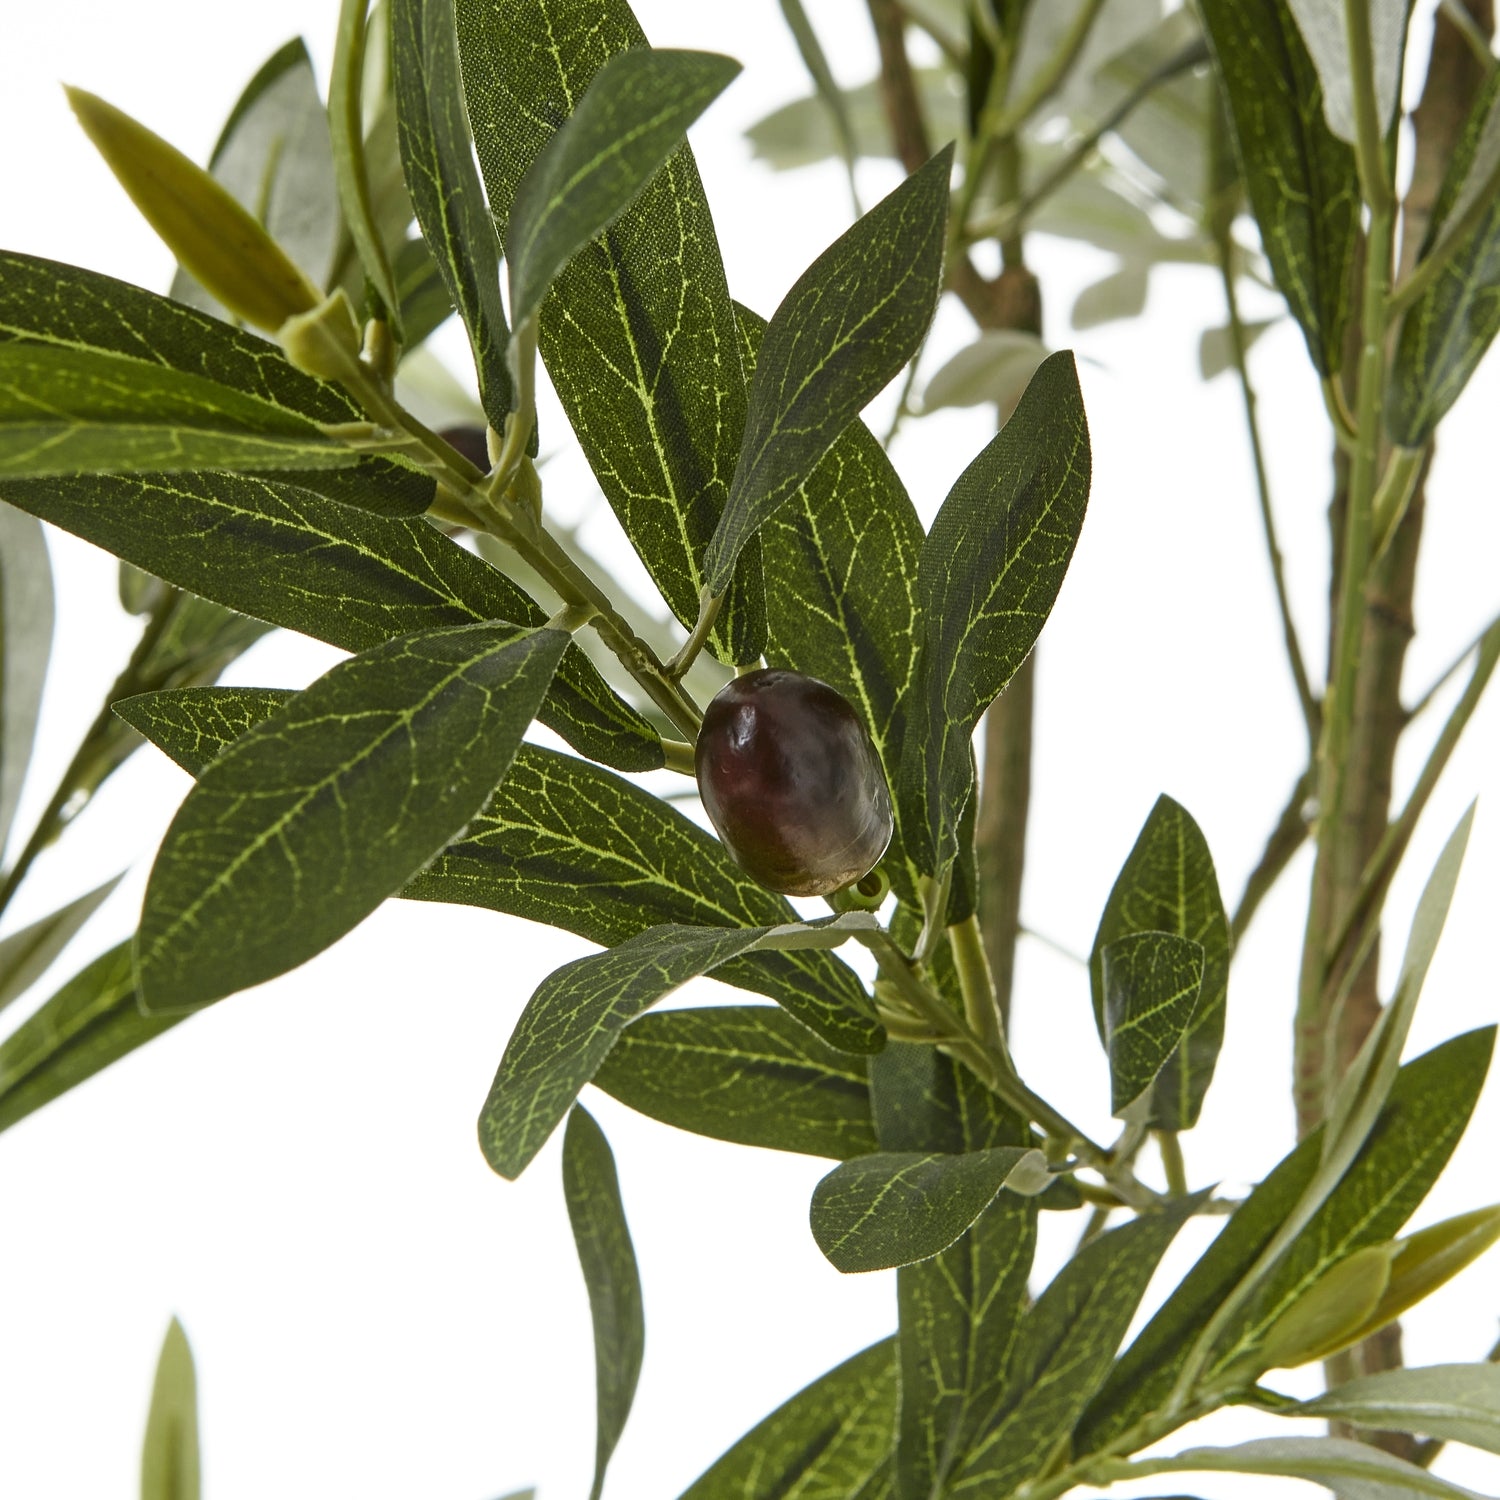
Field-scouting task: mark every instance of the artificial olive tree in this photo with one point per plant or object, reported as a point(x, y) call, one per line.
point(242, 447)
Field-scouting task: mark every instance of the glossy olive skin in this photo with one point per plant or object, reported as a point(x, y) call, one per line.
point(791, 780)
point(472, 442)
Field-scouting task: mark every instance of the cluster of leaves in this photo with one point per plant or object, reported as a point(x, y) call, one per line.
point(289, 486)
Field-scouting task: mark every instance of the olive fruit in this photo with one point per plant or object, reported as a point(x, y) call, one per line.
point(791, 780)
point(472, 442)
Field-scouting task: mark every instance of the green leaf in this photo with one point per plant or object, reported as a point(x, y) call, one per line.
point(743, 1073)
point(26, 955)
point(831, 1441)
point(215, 239)
point(67, 411)
point(1424, 1261)
point(345, 793)
point(68, 309)
point(1152, 984)
point(1300, 178)
point(425, 302)
point(169, 1455)
point(26, 616)
point(843, 552)
point(573, 1019)
point(1321, 23)
point(91, 1022)
point(597, 1215)
point(1423, 1118)
point(292, 558)
point(960, 1310)
point(1063, 1349)
point(275, 159)
point(1354, 1471)
point(1121, 294)
point(895, 1207)
point(631, 118)
point(1168, 884)
point(1365, 1083)
point(1216, 346)
point(995, 369)
point(803, 132)
point(849, 324)
point(1330, 1313)
point(991, 569)
point(559, 842)
point(1447, 330)
point(638, 333)
point(437, 157)
point(1457, 1403)
point(346, 126)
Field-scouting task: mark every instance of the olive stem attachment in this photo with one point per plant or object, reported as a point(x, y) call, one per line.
point(519, 425)
point(934, 894)
point(571, 617)
point(1170, 1147)
point(680, 757)
point(977, 984)
point(709, 605)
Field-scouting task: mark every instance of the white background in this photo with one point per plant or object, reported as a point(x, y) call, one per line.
point(295, 1173)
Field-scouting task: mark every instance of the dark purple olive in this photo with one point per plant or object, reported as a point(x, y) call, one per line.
point(472, 442)
point(791, 780)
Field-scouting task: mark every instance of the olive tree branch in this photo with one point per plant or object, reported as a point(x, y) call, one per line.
point(1285, 839)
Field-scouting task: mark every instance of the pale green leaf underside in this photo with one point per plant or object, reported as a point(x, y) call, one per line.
point(1459, 1403)
point(848, 325)
point(630, 119)
point(602, 1237)
point(573, 1019)
point(26, 955)
point(299, 830)
point(169, 1453)
point(1152, 981)
point(893, 1208)
point(26, 618)
point(1321, 23)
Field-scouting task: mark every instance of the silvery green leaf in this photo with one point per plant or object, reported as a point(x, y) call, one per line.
point(26, 613)
point(996, 368)
point(1458, 1403)
point(169, 1454)
point(1323, 28)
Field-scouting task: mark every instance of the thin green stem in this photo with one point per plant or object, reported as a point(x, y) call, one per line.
point(1170, 1147)
point(1369, 145)
point(1286, 838)
point(1397, 485)
point(1449, 672)
point(1339, 416)
point(1311, 711)
point(951, 48)
point(1478, 43)
point(680, 757)
point(977, 984)
point(709, 605)
point(521, 422)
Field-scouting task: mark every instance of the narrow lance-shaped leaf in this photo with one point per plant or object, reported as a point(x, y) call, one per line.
point(1300, 178)
point(571, 1022)
point(292, 558)
point(631, 118)
point(26, 955)
point(607, 1256)
point(65, 411)
point(844, 551)
point(91, 1022)
point(849, 324)
point(1457, 1403)
point(275, 158)
point(829, 1442)
point(816, 62)
point(320, 813)
point(743, 1073)
point(213, 237)
point(1354, 1471)
point(1063, 1350)
point(564, 843)
point(437, 157)
point(26, 614)
point(346, 127)
point(74, 311)
point(1422, 1121)
point(638, 333)
point(991, 569)
point(1446, 332)
point(895, 1207)
point(169, 1454)
point(1321, 23)
point(1168, 884)
point(1152, 982)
